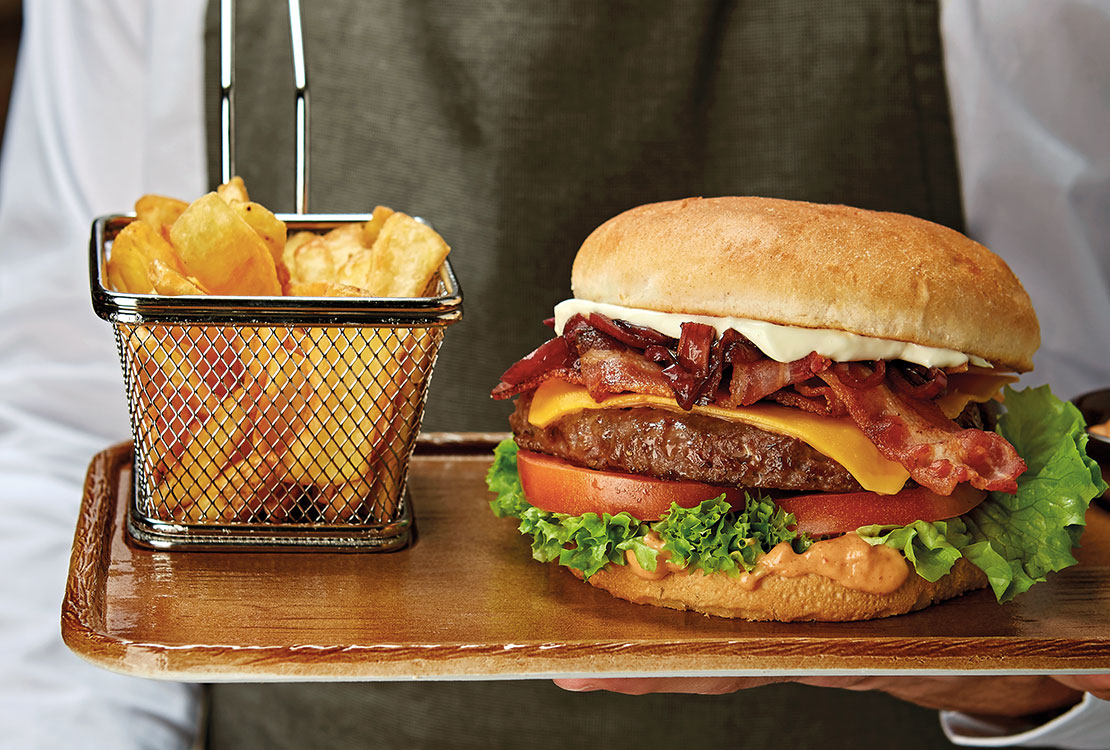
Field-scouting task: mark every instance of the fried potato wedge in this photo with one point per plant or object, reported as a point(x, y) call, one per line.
point(159, 212)
point(324, 289)
point(372, 228)
point(212, 445)
point(271, 229)
point(169, 282)
point(311, 263)
point(293, 242)
point(233, 190)
point(221, 250)
point(344, 436)
point(319, 258)
point(404, 258)
point(134, 249)
point(128, 269)
point(267, 226)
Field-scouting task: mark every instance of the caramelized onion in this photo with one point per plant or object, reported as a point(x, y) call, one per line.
point(855, 374)
point(640, 337)
point(917, 381)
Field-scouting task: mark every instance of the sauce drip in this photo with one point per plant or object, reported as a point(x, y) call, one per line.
point(847, 560)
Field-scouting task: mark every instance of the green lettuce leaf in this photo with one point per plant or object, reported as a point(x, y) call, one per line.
point(932, 548)
point(715, 538)
point(711, 537)
point(1015, 539)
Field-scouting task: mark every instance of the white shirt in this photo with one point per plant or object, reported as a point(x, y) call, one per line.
point(107, 106)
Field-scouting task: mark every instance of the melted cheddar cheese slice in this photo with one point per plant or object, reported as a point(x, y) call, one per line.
point(977, 386)
point(837, 438)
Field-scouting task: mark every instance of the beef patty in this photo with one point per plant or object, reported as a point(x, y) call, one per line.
point(681, 445)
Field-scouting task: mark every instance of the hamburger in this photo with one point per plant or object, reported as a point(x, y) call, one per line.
point(776, 410)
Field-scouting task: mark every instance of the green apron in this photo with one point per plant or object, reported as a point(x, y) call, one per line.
point(516, 127)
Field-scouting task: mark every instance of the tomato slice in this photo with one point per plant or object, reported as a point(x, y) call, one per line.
point(557, 486)
point(825, 513)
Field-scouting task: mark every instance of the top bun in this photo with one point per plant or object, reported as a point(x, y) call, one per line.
point(872, 273)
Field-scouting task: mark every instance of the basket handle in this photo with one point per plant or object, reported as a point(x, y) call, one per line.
point(227, 97)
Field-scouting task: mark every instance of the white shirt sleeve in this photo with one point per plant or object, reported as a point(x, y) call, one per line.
point(1031, 108)
point(107, 105)
point(1084, 727)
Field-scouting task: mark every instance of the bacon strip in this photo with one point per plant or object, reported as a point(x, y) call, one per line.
point(608, 371)
point(547, 359)
point(505, 390)
point(828, 407)
point(936, 451)
point(756, 380)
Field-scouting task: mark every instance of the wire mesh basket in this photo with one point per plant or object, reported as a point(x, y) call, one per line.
point(273, 421)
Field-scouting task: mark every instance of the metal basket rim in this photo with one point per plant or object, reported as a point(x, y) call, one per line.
point(139, 309)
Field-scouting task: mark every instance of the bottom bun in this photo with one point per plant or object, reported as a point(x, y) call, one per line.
point(807, 597)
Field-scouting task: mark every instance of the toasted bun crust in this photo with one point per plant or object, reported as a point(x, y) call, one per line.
point(808, 597)
point(818, 266)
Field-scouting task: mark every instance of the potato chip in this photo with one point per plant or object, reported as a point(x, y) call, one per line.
point(287, 402)
point(356, 272)
point(339, 503)
point(159, 212)
point(275, 505)
point(271, 230)
point(344, 436)
point(115, 280)
point(320, 258)
point(233, 190)
point(372, 228)
point(405, 257)
point(343, 242)
point(324, 289)
point(269, 227)
point(128, 269)
point(412, 355)
point(169, 282)
point(312, 263)
point(293, 242)
point(211, 447)
point(218, 247)
point(232, 496)
point(133, 250)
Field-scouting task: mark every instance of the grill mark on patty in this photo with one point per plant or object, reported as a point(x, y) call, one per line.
point(682, 445)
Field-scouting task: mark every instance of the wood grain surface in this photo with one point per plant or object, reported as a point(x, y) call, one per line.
point(467, 601)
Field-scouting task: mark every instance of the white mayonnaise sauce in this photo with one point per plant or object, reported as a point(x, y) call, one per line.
point(780, 343)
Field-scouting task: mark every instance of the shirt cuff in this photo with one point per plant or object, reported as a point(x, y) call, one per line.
point(1086, 726)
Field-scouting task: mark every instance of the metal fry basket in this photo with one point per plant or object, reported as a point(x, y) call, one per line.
point(273, 422)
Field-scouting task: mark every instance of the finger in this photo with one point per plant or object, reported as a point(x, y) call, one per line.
point(644, 685)
point(1097, 685)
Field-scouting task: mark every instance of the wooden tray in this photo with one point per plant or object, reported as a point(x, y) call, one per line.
point(466, 601)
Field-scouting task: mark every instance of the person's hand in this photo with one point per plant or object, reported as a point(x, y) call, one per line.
point(1018, 695)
